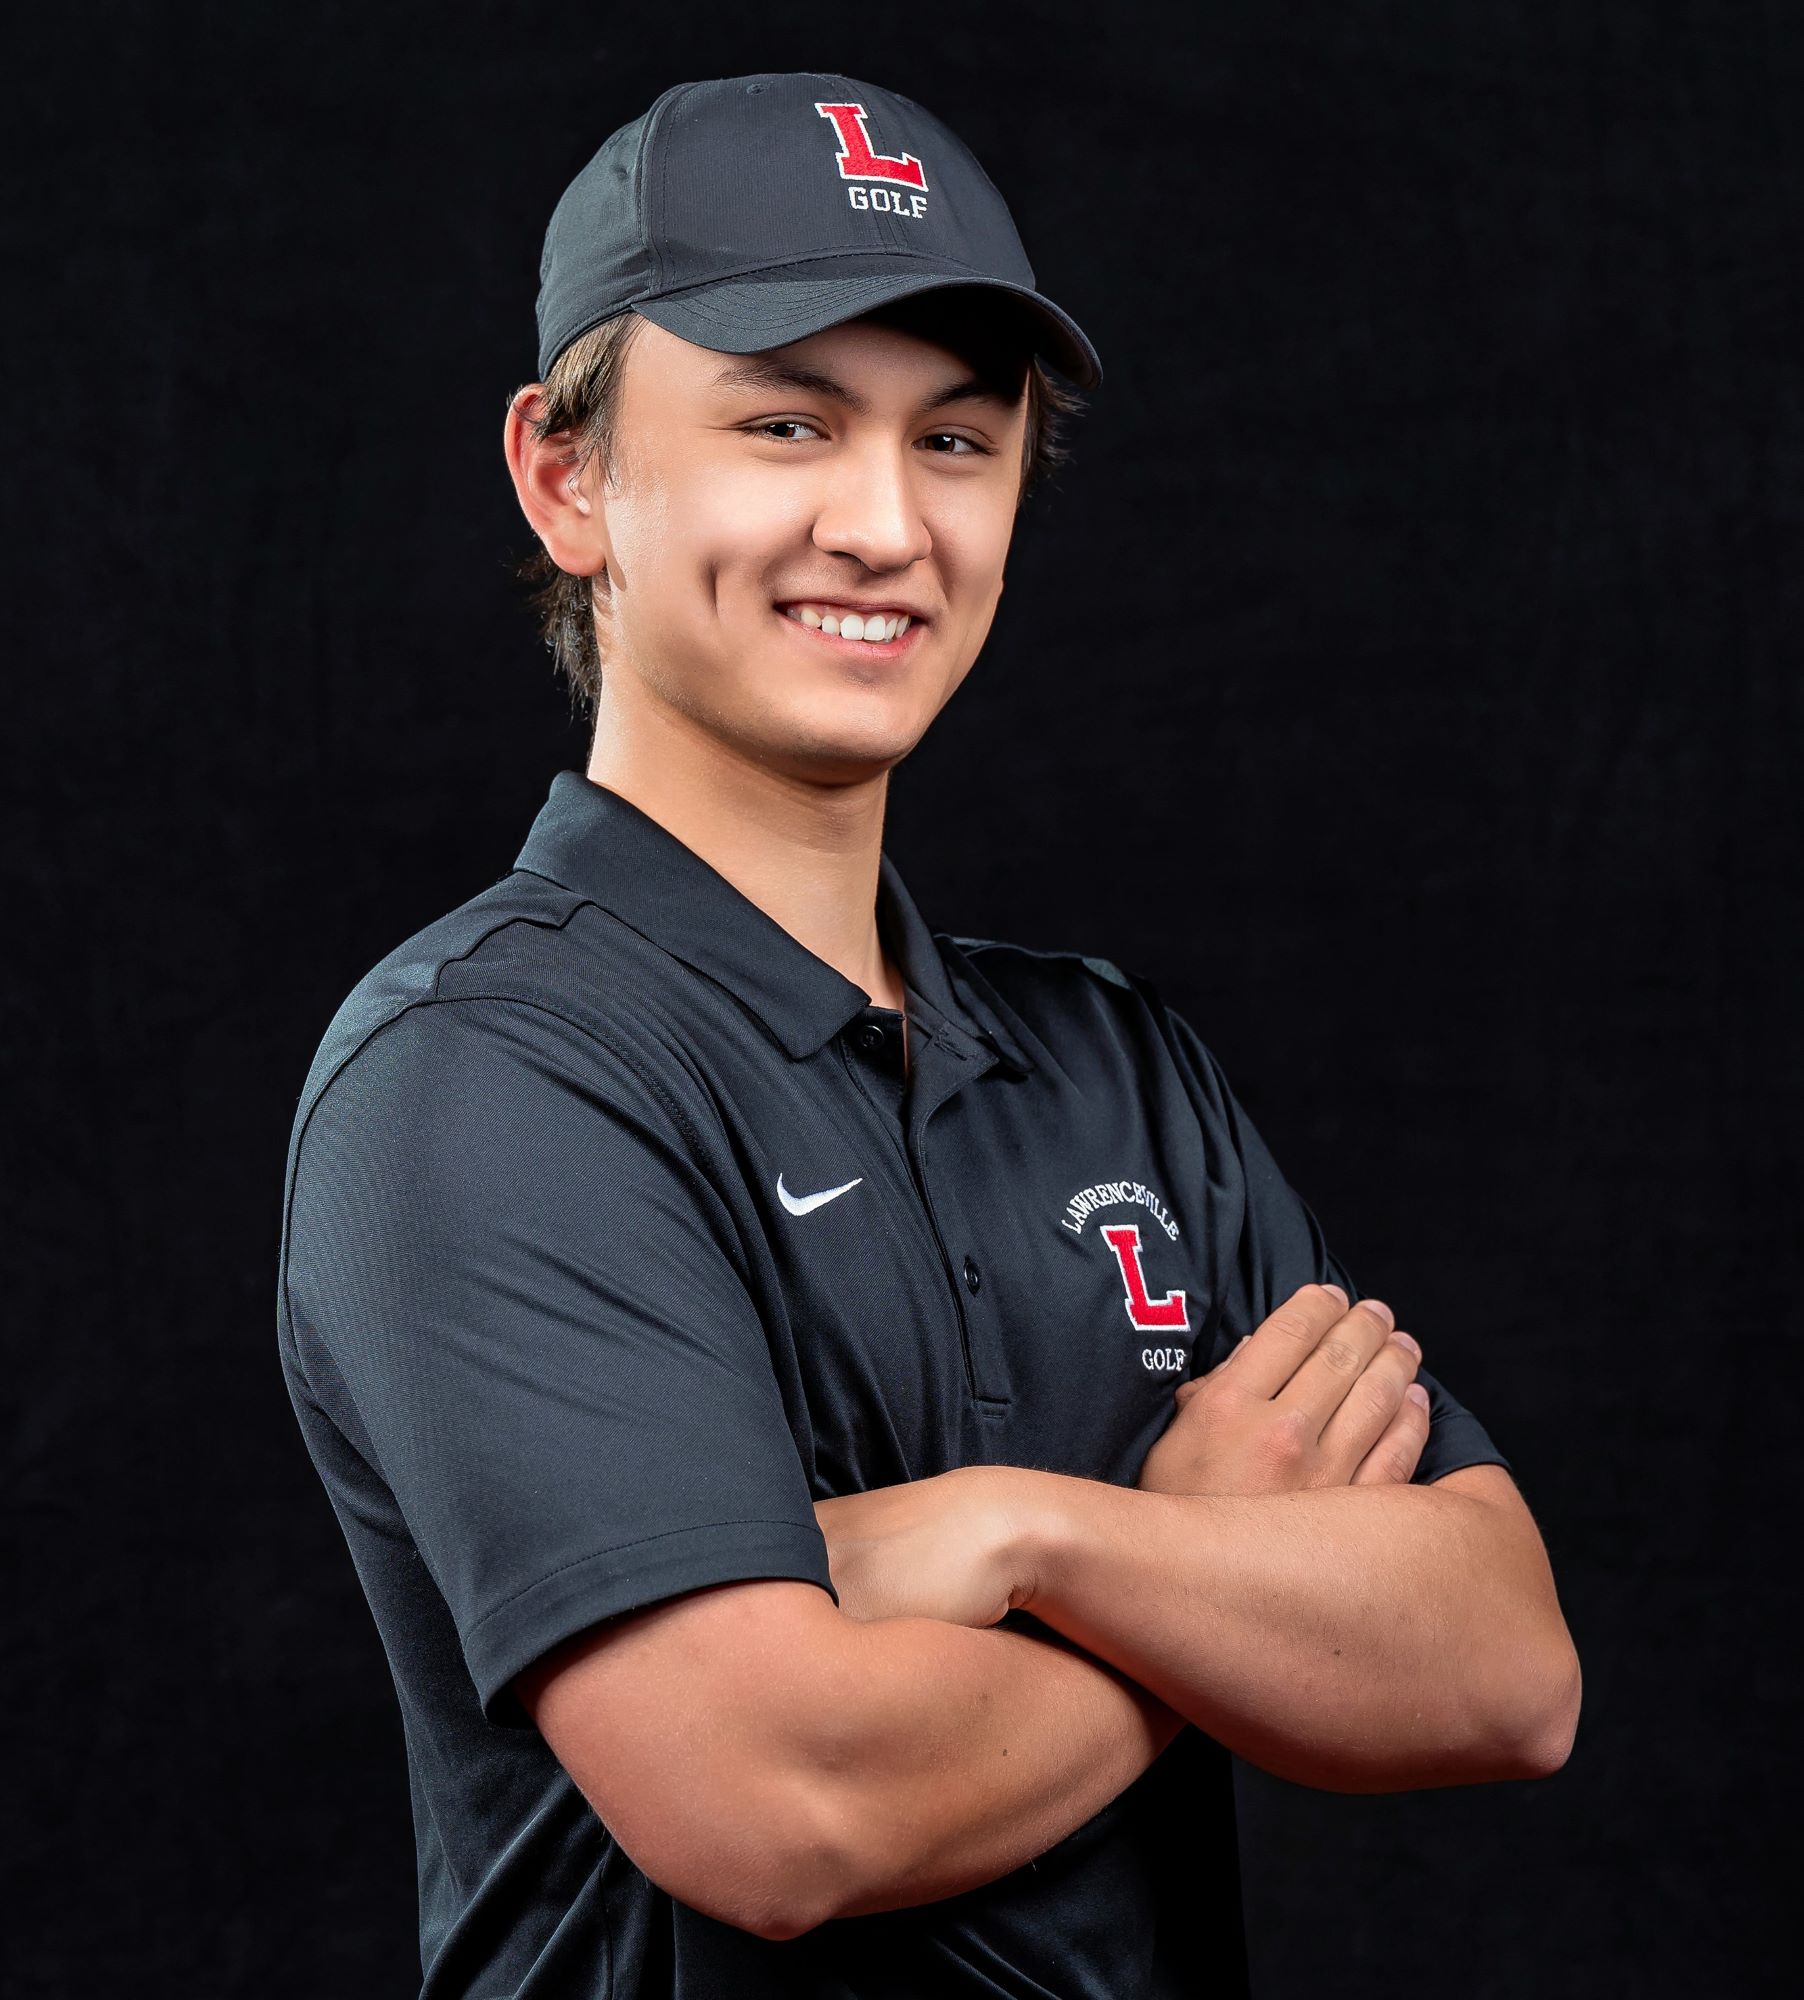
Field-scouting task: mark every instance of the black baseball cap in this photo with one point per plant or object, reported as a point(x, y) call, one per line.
point(749, 211)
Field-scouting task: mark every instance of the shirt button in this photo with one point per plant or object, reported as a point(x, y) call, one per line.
point(973, 1276)
point(870, 1036)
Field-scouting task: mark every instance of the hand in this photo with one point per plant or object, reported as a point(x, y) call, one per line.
point(1314, 1396)
point(927, 1548)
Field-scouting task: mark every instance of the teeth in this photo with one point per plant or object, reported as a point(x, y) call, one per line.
point(877, 628)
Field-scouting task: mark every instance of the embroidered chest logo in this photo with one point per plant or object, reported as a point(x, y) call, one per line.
point(1147, 1313)
point(806, 1204)
point(898, 183)
point(1168, 1313)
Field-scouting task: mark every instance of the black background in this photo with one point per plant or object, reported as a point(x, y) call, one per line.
point(1404, 674)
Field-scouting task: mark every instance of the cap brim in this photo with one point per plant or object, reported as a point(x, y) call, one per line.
point(770, 308)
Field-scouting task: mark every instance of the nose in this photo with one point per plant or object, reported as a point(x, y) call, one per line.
point(871, 511)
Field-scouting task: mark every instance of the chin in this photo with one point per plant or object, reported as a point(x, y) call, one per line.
point(870, 723)
point(831, 755)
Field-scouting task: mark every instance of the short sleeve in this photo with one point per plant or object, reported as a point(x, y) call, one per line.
point(512, 1284)
point(1282, 1247)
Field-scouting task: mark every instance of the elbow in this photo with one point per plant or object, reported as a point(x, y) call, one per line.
point(786, 1899)
point(794, 1917)
point(799, 1893)
point(765, 1872)
point(774, 1903)
point(767, 1908)
point(800, 1856)
point(720, 1886)
point(1524, 1729)
point(1546, 1739)
point(777, 1920)
point(1559, 1724)
point(813, 1872)
point(781, 1880)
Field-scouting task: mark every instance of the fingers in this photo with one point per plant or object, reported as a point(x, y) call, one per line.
point(1348, 1368)
point(1290, 1338)
point(1372, 1403)
point(1392, 1461)
point(1350, 1340)
point(1185, 1391)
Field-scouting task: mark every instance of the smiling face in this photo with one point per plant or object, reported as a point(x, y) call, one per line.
point(869, 468)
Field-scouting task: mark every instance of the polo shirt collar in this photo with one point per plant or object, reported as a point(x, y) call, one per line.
point(596, 843)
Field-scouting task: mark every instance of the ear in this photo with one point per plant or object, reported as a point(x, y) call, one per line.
point(557, 500)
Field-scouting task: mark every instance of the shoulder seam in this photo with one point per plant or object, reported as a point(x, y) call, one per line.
point(1103, 968)
point(495, 930)
point(537, 1006)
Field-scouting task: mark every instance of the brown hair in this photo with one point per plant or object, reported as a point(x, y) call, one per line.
point(581, 401)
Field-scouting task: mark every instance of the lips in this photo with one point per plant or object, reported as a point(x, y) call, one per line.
point(838, 608)
point(853, 650)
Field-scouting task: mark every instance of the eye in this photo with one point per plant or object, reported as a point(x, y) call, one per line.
point(955, 438)
point(779, 424)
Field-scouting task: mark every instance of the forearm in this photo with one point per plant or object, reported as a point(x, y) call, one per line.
point(1355, 1638)
point(948, 1755)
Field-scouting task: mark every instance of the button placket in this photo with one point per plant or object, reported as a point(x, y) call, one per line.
point(941, 1070)
point(942, 1062)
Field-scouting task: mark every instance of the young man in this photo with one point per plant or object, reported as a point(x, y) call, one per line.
point(737, 1325)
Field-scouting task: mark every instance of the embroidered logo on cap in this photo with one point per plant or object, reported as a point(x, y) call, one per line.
point(859, 161)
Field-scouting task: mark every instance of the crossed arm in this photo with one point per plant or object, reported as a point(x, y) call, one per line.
point(1361, 1638)
point(1353, 1638)
point(1276, 1578)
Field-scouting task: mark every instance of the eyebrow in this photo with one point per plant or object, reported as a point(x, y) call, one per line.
point(761, 372)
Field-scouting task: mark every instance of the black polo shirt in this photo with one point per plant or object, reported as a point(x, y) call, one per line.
point(615, 1236)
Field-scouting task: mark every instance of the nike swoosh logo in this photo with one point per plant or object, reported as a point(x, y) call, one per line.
point(800, 1204)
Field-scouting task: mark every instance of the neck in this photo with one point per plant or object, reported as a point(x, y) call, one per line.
point(806, 853)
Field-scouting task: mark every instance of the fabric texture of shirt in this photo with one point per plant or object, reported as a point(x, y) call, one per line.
point(566, 1335)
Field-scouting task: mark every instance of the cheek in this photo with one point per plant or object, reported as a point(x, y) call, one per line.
point(991, 536)
point(724, 544)
point(972, 531)
point(640, 531)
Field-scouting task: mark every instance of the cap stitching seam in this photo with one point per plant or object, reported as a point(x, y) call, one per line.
point(813, 257)
point(652, 241)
